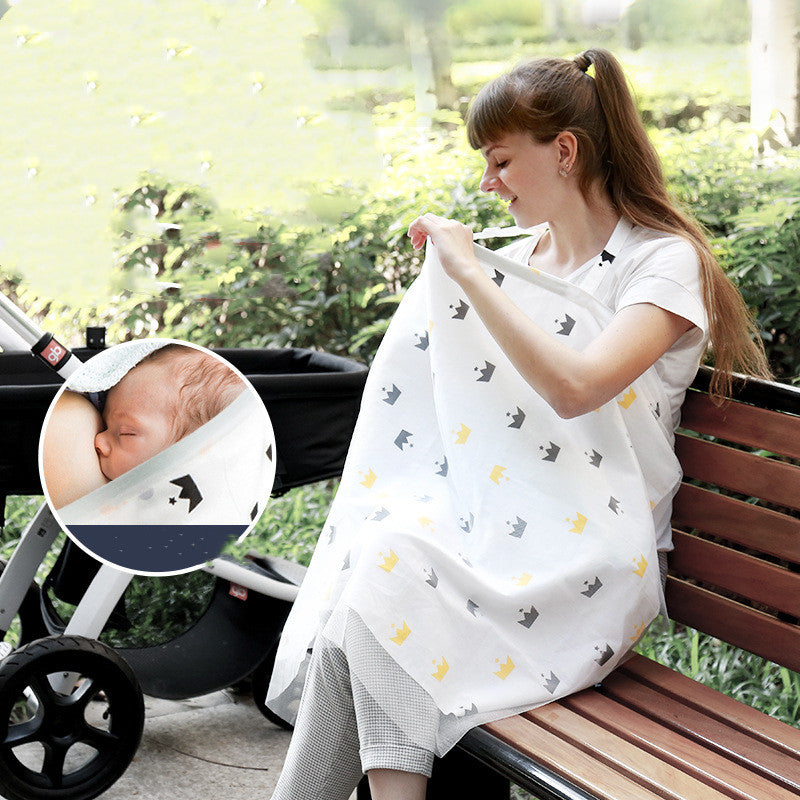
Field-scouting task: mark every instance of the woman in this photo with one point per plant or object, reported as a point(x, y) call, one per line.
point(568, 152)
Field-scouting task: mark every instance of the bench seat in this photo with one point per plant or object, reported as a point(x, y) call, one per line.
point(650, 732)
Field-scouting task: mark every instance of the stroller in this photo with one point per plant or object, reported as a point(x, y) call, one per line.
point(71, 708)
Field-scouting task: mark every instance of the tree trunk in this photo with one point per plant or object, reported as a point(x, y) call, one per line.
point(422, 69)
point(441, 60)
point(775, 71)
point(429, 42)
point(553, 18)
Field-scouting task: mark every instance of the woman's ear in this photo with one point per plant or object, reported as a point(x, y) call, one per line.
point(567, 149)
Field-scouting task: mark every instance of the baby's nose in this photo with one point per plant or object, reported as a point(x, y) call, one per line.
point(102, 444)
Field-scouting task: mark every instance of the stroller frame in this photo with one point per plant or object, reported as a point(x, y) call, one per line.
point(271, 578)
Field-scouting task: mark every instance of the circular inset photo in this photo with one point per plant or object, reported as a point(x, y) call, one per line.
point(155, 454)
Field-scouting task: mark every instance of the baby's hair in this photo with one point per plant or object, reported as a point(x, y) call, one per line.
point(206, 384)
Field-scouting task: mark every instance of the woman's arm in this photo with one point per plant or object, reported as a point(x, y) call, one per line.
point(70, 465)
point(573, 382)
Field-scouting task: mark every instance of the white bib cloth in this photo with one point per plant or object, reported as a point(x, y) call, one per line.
point(501, 555)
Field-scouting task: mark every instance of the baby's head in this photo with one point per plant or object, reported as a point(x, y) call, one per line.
point(166, 396)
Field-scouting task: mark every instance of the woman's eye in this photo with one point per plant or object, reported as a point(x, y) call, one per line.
point(501, 164)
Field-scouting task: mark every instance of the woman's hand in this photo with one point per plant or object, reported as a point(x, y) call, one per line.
point(453, 243)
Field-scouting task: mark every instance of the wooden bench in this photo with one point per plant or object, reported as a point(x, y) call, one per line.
point(649, 732)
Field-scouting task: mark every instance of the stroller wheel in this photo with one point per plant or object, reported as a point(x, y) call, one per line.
point(260, 683)
point(71, 717)
point(31, 621)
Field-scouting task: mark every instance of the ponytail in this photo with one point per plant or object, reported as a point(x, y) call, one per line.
point(546, 96)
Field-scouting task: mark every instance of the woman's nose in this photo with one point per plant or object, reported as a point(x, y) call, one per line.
point(102, 444)
point(488, 181)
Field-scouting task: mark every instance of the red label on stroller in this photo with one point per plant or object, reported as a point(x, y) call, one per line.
point(53, 353)
point(237, 591)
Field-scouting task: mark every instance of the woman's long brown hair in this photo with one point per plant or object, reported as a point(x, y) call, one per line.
point(546, 96)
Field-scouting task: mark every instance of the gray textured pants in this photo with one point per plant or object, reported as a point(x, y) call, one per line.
point(342, 732)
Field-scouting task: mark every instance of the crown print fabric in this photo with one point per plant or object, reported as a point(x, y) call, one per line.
point(502, 556)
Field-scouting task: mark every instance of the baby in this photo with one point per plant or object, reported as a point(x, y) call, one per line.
point(167, 395)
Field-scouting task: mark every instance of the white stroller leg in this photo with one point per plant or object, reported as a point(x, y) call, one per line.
point(92, 613)
point(98, 602)
point(25, 560)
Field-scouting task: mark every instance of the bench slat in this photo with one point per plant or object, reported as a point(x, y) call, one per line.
point(743, 424)
point(755, 476)
point(714, 734)
point(737, 572)
point(742, 523)
point(734, 623)
point(621, 754)
point(670, 746)
point(568, 761)
point(697, 695)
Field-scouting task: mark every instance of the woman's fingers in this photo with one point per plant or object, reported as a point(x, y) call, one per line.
point(419, 230)
point(427, 225)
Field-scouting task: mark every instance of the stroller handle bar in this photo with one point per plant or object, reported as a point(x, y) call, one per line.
point(41, 344)
point(18, 322)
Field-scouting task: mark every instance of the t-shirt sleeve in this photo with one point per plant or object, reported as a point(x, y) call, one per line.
point(668, 277)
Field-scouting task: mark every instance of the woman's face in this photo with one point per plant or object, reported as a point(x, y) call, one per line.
point(525, 174)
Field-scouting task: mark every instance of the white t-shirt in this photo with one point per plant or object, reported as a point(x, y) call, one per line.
point(647, 267)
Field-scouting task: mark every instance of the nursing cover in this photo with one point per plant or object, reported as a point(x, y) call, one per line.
point(179, 508)
point(502, 556)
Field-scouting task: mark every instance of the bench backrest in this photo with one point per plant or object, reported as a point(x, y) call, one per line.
point(735, 570)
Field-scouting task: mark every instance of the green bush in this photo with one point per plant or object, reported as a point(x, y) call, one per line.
point(751, 208)
point(188, 269)
point(218, 277)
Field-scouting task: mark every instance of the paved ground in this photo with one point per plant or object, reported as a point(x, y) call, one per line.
point(209, 748)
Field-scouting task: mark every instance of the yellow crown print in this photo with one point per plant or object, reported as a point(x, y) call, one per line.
point(497, 473)
point(369, 478)
point(641, 566)
point(505, 669)
point(627, 398)
point(425, 522)
point(441, 669)
point(523, 579)
point(402, 633)
point(389, 561)
point(463, 434)
point(578, 524)
point(638, 631)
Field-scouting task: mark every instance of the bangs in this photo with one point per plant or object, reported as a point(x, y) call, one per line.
point(490, 114)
